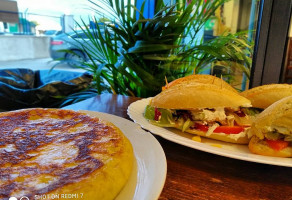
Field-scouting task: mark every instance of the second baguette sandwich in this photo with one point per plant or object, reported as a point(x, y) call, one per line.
point(272, 130)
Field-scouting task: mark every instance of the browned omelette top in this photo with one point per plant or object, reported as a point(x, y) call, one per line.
point(44, 149)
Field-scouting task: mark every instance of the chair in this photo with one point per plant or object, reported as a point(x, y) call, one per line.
point(26, 88)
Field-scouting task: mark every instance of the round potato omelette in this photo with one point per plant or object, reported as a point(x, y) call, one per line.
point(61, 154)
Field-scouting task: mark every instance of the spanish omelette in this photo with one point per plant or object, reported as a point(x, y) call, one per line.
point(47, 153)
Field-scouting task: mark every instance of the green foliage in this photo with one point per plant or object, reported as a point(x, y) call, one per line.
point(132, 55)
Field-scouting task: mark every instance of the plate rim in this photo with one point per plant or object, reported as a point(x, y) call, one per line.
point(171, 136)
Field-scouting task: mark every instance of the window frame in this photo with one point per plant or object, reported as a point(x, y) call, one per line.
point(270, 42)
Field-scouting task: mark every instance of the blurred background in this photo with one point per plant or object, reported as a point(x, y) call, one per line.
point(29, 28)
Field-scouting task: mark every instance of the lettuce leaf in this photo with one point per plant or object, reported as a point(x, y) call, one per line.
point(252, 111)
point(149, 112)
point(166, 119)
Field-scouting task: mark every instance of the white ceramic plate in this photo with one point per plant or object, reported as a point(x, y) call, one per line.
point(148, 177)
point(241, 152)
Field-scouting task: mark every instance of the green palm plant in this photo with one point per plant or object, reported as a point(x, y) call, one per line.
point(132, 55)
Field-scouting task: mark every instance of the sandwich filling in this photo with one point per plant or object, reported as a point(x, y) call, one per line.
point(228, 121)
point(276, 137)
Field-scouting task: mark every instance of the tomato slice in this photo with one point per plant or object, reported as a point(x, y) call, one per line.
point(229, 129)
point(201, 127)
point(157, 114)
point(221, 129)
point(277, 144)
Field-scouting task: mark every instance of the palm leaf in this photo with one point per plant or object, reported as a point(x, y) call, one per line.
point(145, 51)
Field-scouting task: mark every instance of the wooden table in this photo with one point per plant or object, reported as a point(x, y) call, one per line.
point(197, 175)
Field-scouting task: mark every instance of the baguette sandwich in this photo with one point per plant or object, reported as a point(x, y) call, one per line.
point(202, 109)
point(272, 130)
point(200, 78)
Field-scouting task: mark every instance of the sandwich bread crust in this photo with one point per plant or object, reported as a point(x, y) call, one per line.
point(258, 146)
point(195, 95)
point(265, 95)
point(202, 78)
point(278, 115)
